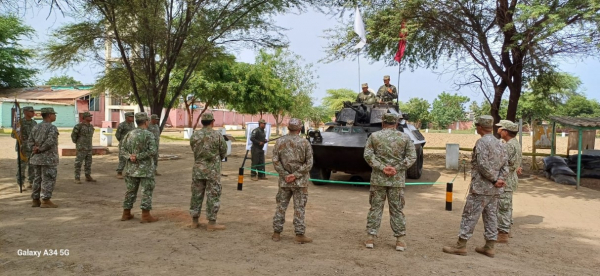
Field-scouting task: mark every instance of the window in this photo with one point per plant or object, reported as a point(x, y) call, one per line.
point(94, 104)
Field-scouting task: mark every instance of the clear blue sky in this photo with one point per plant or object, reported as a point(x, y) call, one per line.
point(305, 35)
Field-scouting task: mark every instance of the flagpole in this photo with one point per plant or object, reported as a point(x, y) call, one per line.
point(398, 87)
point(358, 59)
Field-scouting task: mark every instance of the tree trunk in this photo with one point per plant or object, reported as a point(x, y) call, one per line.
point(206, 105)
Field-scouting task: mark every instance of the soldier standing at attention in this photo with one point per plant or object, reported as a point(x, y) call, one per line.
point(508, 131)
point(82, 137)
point(27, 123)
point(258, 138)
point(122, 130)
point(44, 144)
point(155, 129)
point(387, 92)
point(138, 149)
point(390, 153)
point(489, 169)
point(292, 159)
point(366, 96)
point(209, 148)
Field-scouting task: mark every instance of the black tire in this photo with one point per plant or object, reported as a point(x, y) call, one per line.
point(416, 170)
point(317, 173)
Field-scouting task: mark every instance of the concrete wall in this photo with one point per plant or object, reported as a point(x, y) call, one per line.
point(179, 118)
point(64, 118)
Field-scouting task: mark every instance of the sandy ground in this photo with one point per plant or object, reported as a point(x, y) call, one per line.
point(556, 227)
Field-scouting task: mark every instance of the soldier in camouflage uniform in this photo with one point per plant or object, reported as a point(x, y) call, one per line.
point(43, 142)
point(292, 159)
point(489, 169)
point(27, 123)
point(138, 149)
point(155, 129)
point(122, 130)
point(508, 131)
point(258, 138)
point(387, 92)
point(82, 137)
point(390, 153)
point(366, 96)
point(209, 149)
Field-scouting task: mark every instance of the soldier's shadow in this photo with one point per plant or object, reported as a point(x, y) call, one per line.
point(529, 219)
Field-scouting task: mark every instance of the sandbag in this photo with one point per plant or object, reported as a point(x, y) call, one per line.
point(584, 158)
point(559, 169)
point(564, 179)
point(591, 174)
point(551, 161)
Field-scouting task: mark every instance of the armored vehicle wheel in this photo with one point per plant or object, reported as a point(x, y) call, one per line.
point(416, 170)
point(318, 173)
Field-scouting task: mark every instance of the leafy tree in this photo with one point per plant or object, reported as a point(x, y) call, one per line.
point(418, 110)
point(13, 57)
point(448, 108)
point(319, 114)
point(63, 80)
point(336, 97)
point(261, 89)
point(580, 106)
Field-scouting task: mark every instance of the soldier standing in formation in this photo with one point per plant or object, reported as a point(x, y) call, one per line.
point(292, 159)
point(508, 131)
point(82, 137)
point(390, 153)
point(122, 130)
point(489, 169)
point(209, 148)
point(387, 92)
point(43, 142)
point(138, 149)
point(27, 123)
point(155, 129)
point(366, 96)
point(258, 138)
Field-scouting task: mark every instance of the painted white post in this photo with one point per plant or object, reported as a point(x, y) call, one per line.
point(563, 134)
point(452, 155)
point(426, 130)
point(449, 130)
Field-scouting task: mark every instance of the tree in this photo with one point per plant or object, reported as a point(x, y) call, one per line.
point(492, 45)
point(580, 106)
point(318, 115)
point(448, 109)
point(418, 110)
point(63, 80)
point(14, 71)
point(336, 97)
point(260, 90)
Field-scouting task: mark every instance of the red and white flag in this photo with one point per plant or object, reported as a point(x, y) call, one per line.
point(401, 43)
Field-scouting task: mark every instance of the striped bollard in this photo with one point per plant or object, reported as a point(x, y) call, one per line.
point(240, 179)
point(449, 196)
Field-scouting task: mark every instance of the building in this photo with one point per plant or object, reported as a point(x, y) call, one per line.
point(63, 119)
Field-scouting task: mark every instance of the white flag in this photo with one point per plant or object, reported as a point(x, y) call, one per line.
point(359, 29)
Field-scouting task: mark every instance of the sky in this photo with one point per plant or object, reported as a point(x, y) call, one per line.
point(305, 35)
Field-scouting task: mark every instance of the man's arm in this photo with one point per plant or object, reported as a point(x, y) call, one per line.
point(308, 163)
point(410, 156)
point(75, 133)
point(484, 162)
point(222, 146)
point(276, 162)
point(370, 156)
point(51, 140)
point(151, 148)
point(253, 137)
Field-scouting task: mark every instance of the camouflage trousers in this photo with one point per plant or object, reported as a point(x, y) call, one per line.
point(133, 184)
point(43, 182)
point(258, 158)
point(212, 189)
point(474, 207)
point(395, 196)
point(156, 157)
point(83, 155)
point(121, 161)
point(27, 171)
point(505, 211)
point(283, 197)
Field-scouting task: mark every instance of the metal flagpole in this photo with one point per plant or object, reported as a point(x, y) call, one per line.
point(398, 87)
point(358, 58)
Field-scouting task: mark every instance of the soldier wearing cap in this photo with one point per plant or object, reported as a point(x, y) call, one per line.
point(390, 153)
point(138, 149)
point(366, 96)
point(155, 129)
point(82, 137)
point(489, 170)
point(43, 142)
point(258, 138)
point(209, 148)
point(27, 123)
point(122, 130)
point(508, 131)
point(387, 92)
point(292, 159)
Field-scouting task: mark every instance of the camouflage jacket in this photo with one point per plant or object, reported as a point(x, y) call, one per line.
point(384, 95)
point(293, 154)
point(123, 129)
point(209, 148)
point(513, 149)
point(363, 98)
point(258, 135)
point(82, 136)
point(489, 162)
point(26, 128)
point(155, 129)
point(141, 143)
point(393, 148)
point(45, 136)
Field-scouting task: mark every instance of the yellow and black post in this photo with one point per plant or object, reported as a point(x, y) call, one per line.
point(449, 196)
point(241, 173)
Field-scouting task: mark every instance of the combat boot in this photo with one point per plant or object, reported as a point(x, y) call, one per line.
point(195, 223)
point(300, 239)
point(213, 226)
point(459, 249)
point(502, 237)
point(254, 178)
point(370, 242)
point(276, 236)
point(400, 244)
point(156, 173)
point(36, 203)
point(77, 181)
point(146, 217)
point(120, 175)
point(487, 249)
point(46, 203)
point(89, 178)
point(126, 215)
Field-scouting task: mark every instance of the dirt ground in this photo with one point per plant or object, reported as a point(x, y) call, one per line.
point(556, 227)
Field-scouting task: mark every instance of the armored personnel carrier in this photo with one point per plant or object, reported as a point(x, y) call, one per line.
point(340, 147)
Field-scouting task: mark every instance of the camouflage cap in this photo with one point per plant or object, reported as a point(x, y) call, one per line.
point(208, 117)
point(294, 124)
point(141, 116)
point(87, 114)
point(129, 114)
point(48, 110)
point(365, 85)
point(27, 108)
point(484, 121)
point(154, 117)
point(389, 118)
point(262, 121)
point(386, 77)
point(508, 125)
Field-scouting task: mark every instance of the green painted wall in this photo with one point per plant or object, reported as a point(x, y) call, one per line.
point(65, 116)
